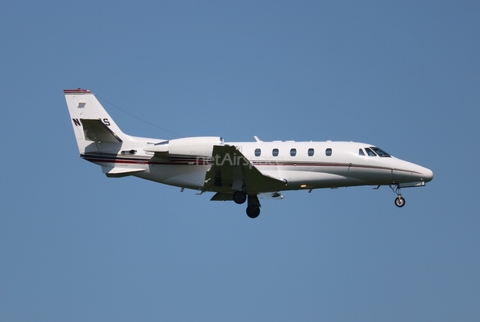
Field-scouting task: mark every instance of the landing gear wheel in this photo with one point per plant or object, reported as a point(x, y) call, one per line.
point(399, 201)
point(239, 197)
point(253, 211)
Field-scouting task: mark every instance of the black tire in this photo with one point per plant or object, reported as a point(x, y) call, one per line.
point(399, 202)
point(239, 197)
point(253, 211)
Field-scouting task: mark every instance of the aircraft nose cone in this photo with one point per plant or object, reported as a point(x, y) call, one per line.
point(427, 175)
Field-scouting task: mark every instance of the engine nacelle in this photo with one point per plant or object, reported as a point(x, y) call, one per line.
point(194, 146)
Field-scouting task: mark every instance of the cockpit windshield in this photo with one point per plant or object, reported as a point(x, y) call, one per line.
point(380, 152)
point(370, 153)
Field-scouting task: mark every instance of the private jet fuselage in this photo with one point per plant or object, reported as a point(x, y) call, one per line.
point(238, 171)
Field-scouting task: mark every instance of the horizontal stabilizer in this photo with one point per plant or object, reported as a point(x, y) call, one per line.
point(117, 172)
point(96, 130)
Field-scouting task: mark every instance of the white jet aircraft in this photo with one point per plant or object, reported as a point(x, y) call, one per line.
point(238, 171)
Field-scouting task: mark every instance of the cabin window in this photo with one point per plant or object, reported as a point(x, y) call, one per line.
point(360, 152)
point(258, 152)
point(328, 152)
point(311, 152)
point(370, 152)
point(293, 152)
point(275, 152)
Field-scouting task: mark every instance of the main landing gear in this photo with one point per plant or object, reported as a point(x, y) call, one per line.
point(399, 201)
point(253, 208)
point(239, 197)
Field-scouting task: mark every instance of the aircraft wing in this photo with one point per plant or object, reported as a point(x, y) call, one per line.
point(230, 171)
point(221, 196)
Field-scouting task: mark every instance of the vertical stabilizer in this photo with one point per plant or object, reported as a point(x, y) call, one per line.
point(94, 129)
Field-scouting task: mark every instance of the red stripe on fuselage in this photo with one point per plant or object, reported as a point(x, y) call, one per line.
point(203, 161)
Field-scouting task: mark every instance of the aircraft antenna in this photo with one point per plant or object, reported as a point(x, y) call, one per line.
point(138, 118)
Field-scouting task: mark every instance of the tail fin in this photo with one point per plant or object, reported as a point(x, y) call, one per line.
point(94, 129)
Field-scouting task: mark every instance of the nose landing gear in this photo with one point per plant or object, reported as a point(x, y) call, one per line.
point(399, 201)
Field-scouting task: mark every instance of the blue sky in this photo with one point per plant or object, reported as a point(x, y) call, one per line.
point(77, 246)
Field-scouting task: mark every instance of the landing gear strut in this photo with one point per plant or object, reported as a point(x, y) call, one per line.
point(253, 209)
point(399, 201)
